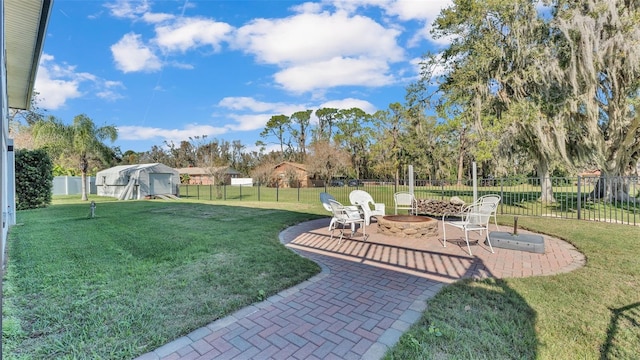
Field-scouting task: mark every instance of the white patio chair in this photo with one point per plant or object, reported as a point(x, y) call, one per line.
point(405, 201)
point(346, 215)
point(365, 201)
point(474, 217)
point(324, 199)
point(492, 199)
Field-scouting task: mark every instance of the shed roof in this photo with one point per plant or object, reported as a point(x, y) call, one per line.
point(128, 168)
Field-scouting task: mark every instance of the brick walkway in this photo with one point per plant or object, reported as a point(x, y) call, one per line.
point(366, 296)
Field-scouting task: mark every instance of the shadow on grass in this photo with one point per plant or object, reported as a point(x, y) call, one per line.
point(622, 334)
point(482, 319)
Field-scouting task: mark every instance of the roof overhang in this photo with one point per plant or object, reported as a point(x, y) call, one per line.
point(25, 26)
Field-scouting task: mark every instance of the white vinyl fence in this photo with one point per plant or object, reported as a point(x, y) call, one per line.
point(72, 185)
point(242, 181)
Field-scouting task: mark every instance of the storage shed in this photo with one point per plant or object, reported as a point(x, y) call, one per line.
point(127, 182)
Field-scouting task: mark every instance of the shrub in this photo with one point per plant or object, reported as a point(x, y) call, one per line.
point(34, 179)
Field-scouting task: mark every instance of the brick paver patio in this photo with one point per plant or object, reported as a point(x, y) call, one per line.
point(368, 293)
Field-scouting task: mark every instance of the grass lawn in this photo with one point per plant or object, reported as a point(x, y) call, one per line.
point(143, 273)
point(139, 274)
point(590, 313)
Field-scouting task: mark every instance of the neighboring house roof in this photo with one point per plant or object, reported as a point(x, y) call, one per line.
point(297, 165)
point(595, 172)
point(192, 171)
point(232, 171)
point(25, 28)
point(206, 171)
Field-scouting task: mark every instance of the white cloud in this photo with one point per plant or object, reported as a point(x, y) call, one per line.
point(349, 103)
point(308, 38)
point(353, 5)
point(110, 90)
point(189, 33)
point(334, 72)
point(248, 103)
point(250, 114)
point(425, 33)
point(416, 10)
point(179, 65)
point(308, 7)
point(57, 83)
point(252, 105)
point(54, 93)
point(137, 10)
point(156, 17)
point(175, 135)
point(172, 34)
point(316, 51)
point(248, 122)
point(424, 12)
point(404, 10)
point(131, 54)
point(128, 9)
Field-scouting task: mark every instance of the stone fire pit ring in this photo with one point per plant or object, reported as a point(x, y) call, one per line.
point(407, 226)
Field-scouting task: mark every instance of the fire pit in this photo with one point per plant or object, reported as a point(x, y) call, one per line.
point(407, 226)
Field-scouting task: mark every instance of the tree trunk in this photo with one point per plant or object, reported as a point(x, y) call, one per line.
point(620, 160)
point(397, 176)
point(84, 186)
point(84, 167)
point(460, 167)
point(612, 188)
point(461, 155)
point(546, 188)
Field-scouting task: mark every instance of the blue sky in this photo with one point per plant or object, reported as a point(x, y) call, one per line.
point(173, 69)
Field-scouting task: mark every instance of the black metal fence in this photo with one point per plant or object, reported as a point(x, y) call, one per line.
point(615, 199)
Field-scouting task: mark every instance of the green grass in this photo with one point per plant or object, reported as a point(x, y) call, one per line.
point(590, 313)
point(139, 274)
point(143, 273)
